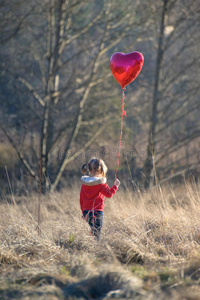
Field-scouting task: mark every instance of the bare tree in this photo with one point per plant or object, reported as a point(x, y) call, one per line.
point(69, 51)
point(58, 92)
point(175, 91)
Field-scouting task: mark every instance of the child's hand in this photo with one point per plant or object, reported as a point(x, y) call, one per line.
point(117, 182)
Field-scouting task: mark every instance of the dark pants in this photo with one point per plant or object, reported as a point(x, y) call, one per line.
point(95, 220)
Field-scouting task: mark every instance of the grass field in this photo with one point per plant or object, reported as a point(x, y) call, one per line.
point(149, 248)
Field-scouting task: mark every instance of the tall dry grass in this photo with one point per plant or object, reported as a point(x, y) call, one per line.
point(158, 228)
point(159, 225)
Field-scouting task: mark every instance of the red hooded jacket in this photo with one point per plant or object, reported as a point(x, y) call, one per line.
point(93, 192)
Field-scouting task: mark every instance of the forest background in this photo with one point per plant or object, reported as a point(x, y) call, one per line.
point(60, 104)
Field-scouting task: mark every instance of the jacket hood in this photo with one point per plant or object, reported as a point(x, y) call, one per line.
point(87, 180)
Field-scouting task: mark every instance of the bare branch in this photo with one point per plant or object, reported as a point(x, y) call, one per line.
point(33, 92)
point(79, 33)
point(20, 154)
point(68, 159)
point(181, 172)
point(181, 142)
point(18, 27)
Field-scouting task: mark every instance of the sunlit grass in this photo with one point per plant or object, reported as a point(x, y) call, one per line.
point(153, 234)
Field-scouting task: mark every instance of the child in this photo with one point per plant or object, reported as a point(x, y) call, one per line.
point(93, 191)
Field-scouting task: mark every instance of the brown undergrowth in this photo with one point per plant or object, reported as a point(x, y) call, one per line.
point(149, 249)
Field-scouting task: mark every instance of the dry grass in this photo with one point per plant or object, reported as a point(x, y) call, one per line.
point(150, 247)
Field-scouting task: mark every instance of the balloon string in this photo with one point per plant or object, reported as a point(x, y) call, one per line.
point(120, 141)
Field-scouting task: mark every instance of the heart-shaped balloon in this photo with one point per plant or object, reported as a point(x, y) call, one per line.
point(126, 67)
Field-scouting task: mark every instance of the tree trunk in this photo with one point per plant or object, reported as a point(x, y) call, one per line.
point(148, 165)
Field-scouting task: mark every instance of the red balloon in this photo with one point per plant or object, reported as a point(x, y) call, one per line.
point(126, 67)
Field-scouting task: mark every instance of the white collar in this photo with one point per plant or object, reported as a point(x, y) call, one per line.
point(88, 180)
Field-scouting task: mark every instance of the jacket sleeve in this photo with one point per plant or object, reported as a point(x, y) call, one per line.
point(81, 200)
point(108, 192)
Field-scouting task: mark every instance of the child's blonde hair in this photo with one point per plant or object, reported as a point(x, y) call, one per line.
point(95, 165)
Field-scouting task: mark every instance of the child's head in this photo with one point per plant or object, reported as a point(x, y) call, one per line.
point(95, 166)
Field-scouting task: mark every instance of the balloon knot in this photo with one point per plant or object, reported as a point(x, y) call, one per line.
point(124, 113)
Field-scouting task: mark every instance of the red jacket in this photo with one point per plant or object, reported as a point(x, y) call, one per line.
point(93, 193)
